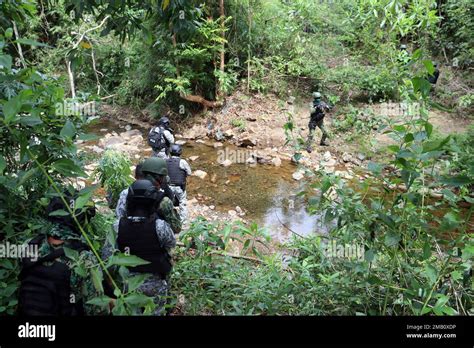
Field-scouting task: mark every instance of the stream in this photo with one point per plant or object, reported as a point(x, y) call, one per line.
point(266, 193)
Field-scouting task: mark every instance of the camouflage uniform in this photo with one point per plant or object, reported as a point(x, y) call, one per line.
point(163, 153)
point(179, 192)
point(166, 208)
point(317, 120)
point(82, 288)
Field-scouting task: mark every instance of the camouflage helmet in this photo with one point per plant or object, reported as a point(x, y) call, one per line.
point(316, 95)
point(155, 165)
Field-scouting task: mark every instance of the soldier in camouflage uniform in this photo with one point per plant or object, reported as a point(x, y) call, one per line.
point(317, 120)
point(155, 170)
point(178, 170)
point(143, 231)
point(44, 287)
point(162, 134)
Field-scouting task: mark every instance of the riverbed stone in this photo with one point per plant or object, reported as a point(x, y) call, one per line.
point(226, 163)
point(346, 157)
point(193, 158)
point(276, 161)
point(298, 175)
point(327, 156)
point(200, 174)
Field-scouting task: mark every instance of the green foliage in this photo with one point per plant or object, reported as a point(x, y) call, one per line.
point(239, 123)
point(457, 30)
point(114, 174)
point(358, 122)
point(38, 157)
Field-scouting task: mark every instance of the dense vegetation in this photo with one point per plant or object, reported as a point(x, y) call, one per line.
point(185, 57)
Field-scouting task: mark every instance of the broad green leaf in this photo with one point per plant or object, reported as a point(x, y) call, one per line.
point(68, 131)
point(137, 299)
point(431, 273)
point(83, 199)
point(97, 278)
point(456, 275)
point(428, 128)
point(67, 167)
point(30, 42)
point(5, 61)
point(429, 66)
point(59, 212)
point(369, 255)
point(435, 145)
point(375, 168)
point(426, 250)
point(71, 253)
point(100, 301)
point(11, 108)
point(3, 164)
point(136, 281)
point(87, 136)
point(457, 181)
point(391, 239)
point(127, 260)
point(30, 121)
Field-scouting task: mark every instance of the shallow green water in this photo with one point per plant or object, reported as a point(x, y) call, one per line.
point(265, 192)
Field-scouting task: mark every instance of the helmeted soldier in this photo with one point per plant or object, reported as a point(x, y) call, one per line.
point(144, 233)
point(160, 138)
point(48, 284)
point(155, 170)
point(318, 109)
point(178, 170)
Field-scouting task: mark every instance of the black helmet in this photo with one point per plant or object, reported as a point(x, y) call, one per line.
point(176, 150)
point(82, 215)
point(142, 198)
point(164, 121)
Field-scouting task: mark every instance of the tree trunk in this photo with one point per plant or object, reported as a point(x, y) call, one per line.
point(219, 91)
point(71, 78)
point(249, 55)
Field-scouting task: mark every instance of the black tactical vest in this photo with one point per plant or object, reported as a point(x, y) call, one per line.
point(46, 290)
point(318, 113)
point(139, 238)
point(176, 174)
